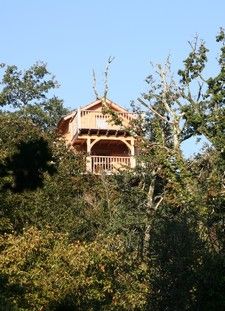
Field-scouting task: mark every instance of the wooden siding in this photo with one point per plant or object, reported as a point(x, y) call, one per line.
point(91, 119)
point(108, 146)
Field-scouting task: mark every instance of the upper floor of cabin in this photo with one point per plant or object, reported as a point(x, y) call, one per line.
point(98, 118)
point(100, 131)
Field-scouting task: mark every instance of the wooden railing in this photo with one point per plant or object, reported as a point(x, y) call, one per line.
point(97, 120)
point(101, 164)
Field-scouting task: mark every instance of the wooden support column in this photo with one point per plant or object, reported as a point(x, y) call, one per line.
point(88, 145)
point(132, 160)
point(88, 158)
point(132, 146)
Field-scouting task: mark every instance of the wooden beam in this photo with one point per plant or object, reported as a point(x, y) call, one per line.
point(88, 145)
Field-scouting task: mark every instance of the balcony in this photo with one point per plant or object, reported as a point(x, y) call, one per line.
point(92, 119)
point(108, 164)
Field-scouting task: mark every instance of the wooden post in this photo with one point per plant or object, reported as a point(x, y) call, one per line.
point(132, 159)
point(88, 145)
point(132, 146)
point(88, 158)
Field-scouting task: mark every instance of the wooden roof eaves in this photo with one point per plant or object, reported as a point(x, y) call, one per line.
point(65, 118)
point(109, 102)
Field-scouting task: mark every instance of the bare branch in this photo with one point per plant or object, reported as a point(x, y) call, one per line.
point(110, 60)
point(164, 72)
point(194, 44)
point(158, 203)
point(153, 111)
point(159, 115)
point(202, 78)
point(94, 85)
point(199, 90)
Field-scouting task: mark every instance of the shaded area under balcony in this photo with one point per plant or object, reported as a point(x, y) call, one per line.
point(110, 147)
point(109, 156)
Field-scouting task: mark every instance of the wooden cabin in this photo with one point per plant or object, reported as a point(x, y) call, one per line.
point(107, 146)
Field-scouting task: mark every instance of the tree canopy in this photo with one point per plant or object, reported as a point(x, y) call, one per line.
point(150, 238)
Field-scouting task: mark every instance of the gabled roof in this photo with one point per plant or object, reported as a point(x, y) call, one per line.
point(110, 103)
point(66, 118)
point(90, 106)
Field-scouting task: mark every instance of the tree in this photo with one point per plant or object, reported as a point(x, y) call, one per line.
point(43, 270)
point(151, 238)
point(27, 92)
point(180, 196)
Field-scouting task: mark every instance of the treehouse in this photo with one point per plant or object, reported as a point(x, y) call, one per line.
point(99, 130)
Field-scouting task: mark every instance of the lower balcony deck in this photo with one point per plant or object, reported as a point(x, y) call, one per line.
point(109, 164)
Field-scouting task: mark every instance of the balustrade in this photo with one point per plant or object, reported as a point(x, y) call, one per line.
point(101, 164)
point(89, 119)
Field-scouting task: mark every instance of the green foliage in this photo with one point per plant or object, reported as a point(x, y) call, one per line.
point(151, 238)
point(177, 253)
point(43, 270)
point(27, 92)
point(184, 207)
point(204, 113)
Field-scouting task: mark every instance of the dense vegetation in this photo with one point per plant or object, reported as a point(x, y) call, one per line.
point(152, 238)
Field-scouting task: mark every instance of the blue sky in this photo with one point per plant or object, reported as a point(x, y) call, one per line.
point(76, 36)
